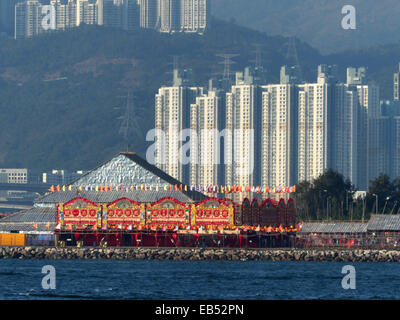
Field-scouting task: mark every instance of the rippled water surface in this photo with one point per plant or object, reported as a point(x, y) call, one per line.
point(107, 279)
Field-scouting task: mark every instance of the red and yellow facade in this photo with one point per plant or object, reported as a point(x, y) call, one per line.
point(213, 211)
point(169, 213)
point(81, 213)
point(123, 212)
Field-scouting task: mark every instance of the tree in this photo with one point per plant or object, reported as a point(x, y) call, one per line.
point(386, 191)
point(325, 197)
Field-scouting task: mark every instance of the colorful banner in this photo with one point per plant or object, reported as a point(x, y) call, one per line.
point(204, 189)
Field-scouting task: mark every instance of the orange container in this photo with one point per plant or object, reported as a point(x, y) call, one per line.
point(12, 239)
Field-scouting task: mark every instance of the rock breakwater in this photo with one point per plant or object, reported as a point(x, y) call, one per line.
point(201, 254)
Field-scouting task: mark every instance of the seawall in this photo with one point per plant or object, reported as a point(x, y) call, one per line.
point(200, 254)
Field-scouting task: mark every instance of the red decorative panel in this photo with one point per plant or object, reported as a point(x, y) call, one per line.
point(168, 211)
point(213, 211)
point(80, 212)
point(123, 211)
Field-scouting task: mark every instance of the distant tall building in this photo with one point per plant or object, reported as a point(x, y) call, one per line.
point(170, 15)
point(243, 118)
point(347, 120)
point(122, 14)
point(204, 120)
point(378, 157)
point(195, 15)
point(356, 76)
point(14, 176)
point(372, 123)
point(396, 85)
point(112, 13)
point(395, 147)
point(167, 16)
point(7, 15)
point(278, 135)
point(65, 13)
point(131, 15)
point(314, 129)
point(330, 71)
point(28, 19)
point(87, 12)
point(68, 14)
point(172, 114)
point(290, 75)
point(149, 13)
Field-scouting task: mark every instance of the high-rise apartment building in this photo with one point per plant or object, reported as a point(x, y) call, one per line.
point(170, 15)
point(243, 118)
point(172, 115)
point(358, 129)
point(356, 75)
point(130, 15)
point(370, 133)
point(30, 16)
point(163, 15)
point(28, 19)
point(205, 153)
point(122, 14)
point(112, 13)
point(7, 15)
point(149, 13)
point(378, 158)
point(65, 13)
point(86, 12)
point(396, 85)
point(195, 15)
point(346, 121)
point(314, 129)
point(278, 135)
point(290, 75)
point(395, 147)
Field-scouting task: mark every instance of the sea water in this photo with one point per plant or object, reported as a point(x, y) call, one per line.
point(109, 279)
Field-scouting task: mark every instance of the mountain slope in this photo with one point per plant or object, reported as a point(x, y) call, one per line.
point(318, 22)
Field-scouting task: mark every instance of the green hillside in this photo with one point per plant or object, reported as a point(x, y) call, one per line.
point(59, 92)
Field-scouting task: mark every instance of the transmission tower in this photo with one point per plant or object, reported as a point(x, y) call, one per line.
point(293, 58)
point(258, 61)
point(176, 62)
point(259, 72)
point(227, 65)
point(130, 122)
